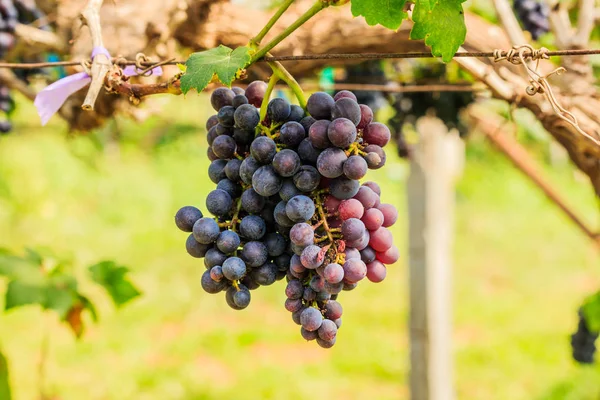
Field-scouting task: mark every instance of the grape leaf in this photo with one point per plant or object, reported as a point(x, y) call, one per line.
point(591, 311)
point(388, 13)
point(4, 382)
point(220, 62)
point(441, 23)
point(112, 277)
point(19, 293)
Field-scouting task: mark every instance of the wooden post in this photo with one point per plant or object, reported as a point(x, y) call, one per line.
point(436, 162)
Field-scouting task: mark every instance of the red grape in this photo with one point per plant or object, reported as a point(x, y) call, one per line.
point(390, 214)
point(373, 219)
point(381, 240)
point(376, 271)
point(390, 256)
point(351, 208)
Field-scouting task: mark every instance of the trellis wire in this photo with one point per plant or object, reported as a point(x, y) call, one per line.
point(312, 57)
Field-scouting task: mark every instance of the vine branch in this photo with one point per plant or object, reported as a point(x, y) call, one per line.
point(101, 64)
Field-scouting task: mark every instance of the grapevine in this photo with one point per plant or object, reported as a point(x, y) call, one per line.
point(288, 203)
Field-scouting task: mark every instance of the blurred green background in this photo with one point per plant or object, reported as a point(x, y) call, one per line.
point(521, 269)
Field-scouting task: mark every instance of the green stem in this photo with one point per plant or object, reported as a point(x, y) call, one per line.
point(255, 41)
point(318, 6)
point(265, 102)
point(285, 76)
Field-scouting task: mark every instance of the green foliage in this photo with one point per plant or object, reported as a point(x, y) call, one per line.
point(38, 277)
point(221, 62)
point(112, 277)
point(4, 382)
point(591, 311)
point(388, 13)
point(441, 24)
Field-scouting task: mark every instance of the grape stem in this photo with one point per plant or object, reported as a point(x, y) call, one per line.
point(236, 286)
point(284, 75)
point(263, 106)
point(317, 6)
point(255, 41)
point(234, 219)
point(323, 218)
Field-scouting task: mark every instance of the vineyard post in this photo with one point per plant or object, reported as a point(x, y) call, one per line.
point(435, 164)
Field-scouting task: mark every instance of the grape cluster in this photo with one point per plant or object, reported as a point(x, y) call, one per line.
point(533, 15)
point(288, 203)
point(13, 12)
point(583, 342)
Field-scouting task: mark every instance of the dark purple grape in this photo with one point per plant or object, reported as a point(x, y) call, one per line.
point(367, 255)
point(333, 310)
point(238, 91)
point(308, 335)
point(265, 275)
point(296, 113)
point(377, 133)
point(246, 117)
point(293, 305)
point(286, 163)
point(307, 122)
point(312, 257)
point(266, 182)
point(307, 179)
point(224, 147)
point(230, 187)
point(281, 216)
point(302, 234)
point(328, 330)
point(234, 268)
point(216, 170)
point(319, 105)
point(221, 97)
point(353, 229)
point(225, 116)
point(255, 92)
point(354, 270)
point(276, 244)
point(300, 208)
point(216, 273)
point(347, 108)
point(243, 136)
point(278, 110)
point(373, 148)
point(211, 122)
point(355, 168)
point(209, 285)
point(366, 116)
point(232, 169)
point(195, 249)
point(330, 162)
point(252, 202)
point(186, 217)
point(254, 254)
point(247, 170)
point(219, 202)
point(253, 227)
point(291, 134)
point(343, 188)
point(263, 149)
point(294, 289)
point(242, 297)
point(288, 190)
point(206, 230)
point(239, 100)
point(344, 94)
point(228, 241)
point(308, 153)
point(213, 258)
point(311, 319)
point(341, 132)
point(317, 134)
point(333, 273)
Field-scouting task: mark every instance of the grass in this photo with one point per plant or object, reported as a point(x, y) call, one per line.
point(521, 269)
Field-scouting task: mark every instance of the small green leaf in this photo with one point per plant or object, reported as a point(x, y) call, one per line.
point(61, 294)
point(4, 380)
point(441, 23)
point(388, 13)
point(221, 61)
point(19, 293)
point(113, 278)
point(88, 305)
point(591, 311)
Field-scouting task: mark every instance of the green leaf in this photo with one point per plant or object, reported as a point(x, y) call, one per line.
point(441, 23)
point(20, 293)
point(4, 381)
point(113, 278)
point(61, 294)
point(88, 305)
point(389, 13)
point(591, 311)
point(222, 62)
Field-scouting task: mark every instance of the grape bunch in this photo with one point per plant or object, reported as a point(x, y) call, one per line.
point(583, 342)
point(288, 204)
point(13, 12)
point(533, 15)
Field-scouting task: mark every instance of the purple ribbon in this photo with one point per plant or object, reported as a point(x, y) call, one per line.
point(50, 99)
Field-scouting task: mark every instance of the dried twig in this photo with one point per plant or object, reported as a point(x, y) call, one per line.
point(101, 63)
point(509, 21)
